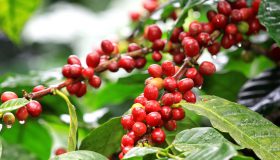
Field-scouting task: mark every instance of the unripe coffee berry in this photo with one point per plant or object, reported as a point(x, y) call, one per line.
point(93, 59)
point(8, 96)
point(158, 136)
point(22, 114)
point(127, 122)
point(153, 119)
point(158, 82)
point(8, 118)
point(151, 92)
point(207, 68)
point(139, 128)
point(107, 46)
point(73, 59)
point(34, 108)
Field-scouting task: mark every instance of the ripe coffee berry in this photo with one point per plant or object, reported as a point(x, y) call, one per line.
point(204, 39)
point(127, 141)
point(93, 59)
point(207, 68)
point(195, 28)
point(8, 96)
point(133, 47)
point(255, 6)
point(126, 149)
point(198, 80)
point(236, 15)
point(152, 106)
point(121, 155)
point(227, 41)
point(170, 84)
point(165, 112)
point(139, 128)
point(95, 81)
point(175, 35)
point(134, 16)
point(34, 108)
point(107, 46)
point(113, 66)
point(179, 58)
point(168, 68)
point(140, 62)
point(214, 48)
point(153, 119)
point(246, 13)
point(167, 99)
point(156, 56)
point(60, 151)
point(178, 114)
point(152, 33)
point(139, 114)
point(254, 26)
point(88, 72)
point(158, 82)
point(170, 125)
point(22, 114)
point(183, 35)
point(150, 5)
point(189, 96)
point(224, 7)
point(151, 92)
point(141, 99)
point(74, 88)
point(239, 4)
point(82, 91)
point(219, 21)
point(208, 28)
point(191, 73)
point(191, 46)
point(132, 135)
point(8, 118)
point(177, 97)
point(158, 45)
point(185, 85)
point(73, 59)
point(127, 122)
point(211, 14)
point(38, 88)
point(231, 29)
point(126, 63)
point(158, 135)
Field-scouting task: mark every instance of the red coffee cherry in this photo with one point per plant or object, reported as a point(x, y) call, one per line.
point(88, 72)
point(126, 63)
point(227, 41)
point(150, 5)
point(238, 38)
point(179, 58)
point(139, 128)
point(155, 70)
point(127, 141)
point(151, 92)
point(214, 48)
point(254, 26)
point(82, 90)
point(73, 59)
point(167, 99)
point(134, 16)
point(132, 135)
point(107, 46)
point(158, 136)
point(158, 45)
point(113, 66)
point(183, 35)
point(140, 62)
point(141, 99)
point(170, 84)
point(165, 112)
point(153, 119)
point(133, 47)
point(191, 73)
point(126, 149)
point(211, 14)
point(207, 68)
point(208, 28)
point(74, 88)
point(156, 56)
point(185, 85)
point(198, 80)
point(195, 28)
point(8, 119)
point(168, 68)
point(127, 122)
point(189, 96)
point(75, 71)
point(152, 106)
point(177, 97)
point(255, 6)
point(34, 108)
point(8, 96)
point(93, 59)
point(38, 88)
point(152, 33)
point(22, 114)
point(178, 114)
point(191, 46)
point(273, 52)
point(95, 81)
point(139, 114)
point(247, 13)
point(231, 29)
point(236, 15)
point(219, 21)
point(239, 4)
point(121, 156)
point(170, 125)
point(66, 71)
point(60, 151)
point(204, 39)
point(175, 35)
point(224, 7)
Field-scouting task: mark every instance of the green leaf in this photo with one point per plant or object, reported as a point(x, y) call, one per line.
point(198, 138)
point(80, 155)
point(247, 128)
point(13, 104)
point(140, 152)
point(105, 139)
point(16, 152)
point(72, 138)
point(269, 16)
point(222, 151)
point(14, 14)
point(241, 157)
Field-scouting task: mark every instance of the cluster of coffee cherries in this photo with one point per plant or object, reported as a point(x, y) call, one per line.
point(33, 108)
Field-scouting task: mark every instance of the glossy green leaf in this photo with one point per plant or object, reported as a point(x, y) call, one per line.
point(198, 138)
point(17, 152)
point(222, 151)
point(105, 139)
point(241, 157)
point(13, 104)
point(247, 128)
point(269, 16)
point(80, 155)
point(140, 152)
point(14, 14)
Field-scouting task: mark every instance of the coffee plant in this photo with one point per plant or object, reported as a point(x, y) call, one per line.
point(174, 114)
